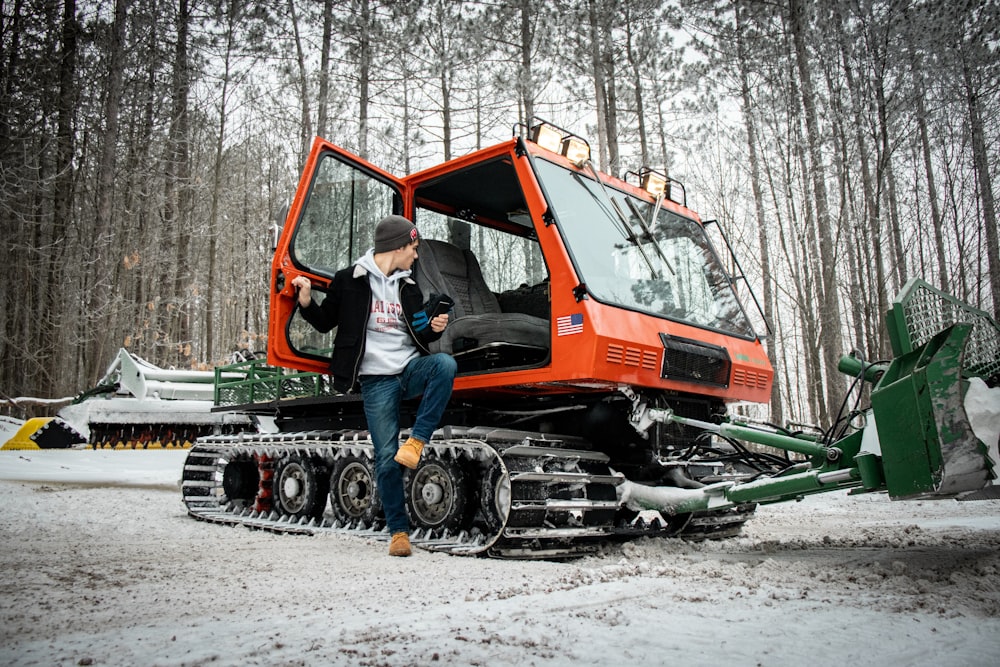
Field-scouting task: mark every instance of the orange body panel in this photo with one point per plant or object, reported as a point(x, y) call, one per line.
point(619, 347)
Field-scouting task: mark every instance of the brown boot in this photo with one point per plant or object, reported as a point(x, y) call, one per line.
point(400, 545)
point(408, 453)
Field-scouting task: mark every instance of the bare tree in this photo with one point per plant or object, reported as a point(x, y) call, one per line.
point(744, 61)
point(973, 86)
point(99, 257)
point(830, 318)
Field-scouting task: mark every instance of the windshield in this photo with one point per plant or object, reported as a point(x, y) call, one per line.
point(674, 274)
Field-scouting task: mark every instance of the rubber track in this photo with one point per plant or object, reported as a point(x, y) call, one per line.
point(562, 500)
point(550, 514)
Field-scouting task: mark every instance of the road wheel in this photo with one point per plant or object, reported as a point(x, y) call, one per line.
point(297, 488)
point(435, 495)
point(353, 495)
point(241, 481)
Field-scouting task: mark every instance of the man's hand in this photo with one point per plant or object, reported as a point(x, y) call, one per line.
point(304, 287)
point(434, 313)
point(439, 323)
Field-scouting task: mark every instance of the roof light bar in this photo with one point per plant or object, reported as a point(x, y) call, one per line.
point(554, 138)
point(657, 183)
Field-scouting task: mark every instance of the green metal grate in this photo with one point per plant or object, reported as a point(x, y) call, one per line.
point(255, 382)
point(920, 311)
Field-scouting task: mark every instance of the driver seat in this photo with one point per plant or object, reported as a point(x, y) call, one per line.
point(477, 320)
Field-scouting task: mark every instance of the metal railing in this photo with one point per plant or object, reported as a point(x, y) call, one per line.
point(253, 381)
point(921, 311)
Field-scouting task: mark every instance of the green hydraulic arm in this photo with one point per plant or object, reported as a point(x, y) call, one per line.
point(917, 440)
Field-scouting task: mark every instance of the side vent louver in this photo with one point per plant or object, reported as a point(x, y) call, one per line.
point(631, 356)
point(750, 379)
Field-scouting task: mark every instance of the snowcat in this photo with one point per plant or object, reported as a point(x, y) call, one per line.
point(600, 341)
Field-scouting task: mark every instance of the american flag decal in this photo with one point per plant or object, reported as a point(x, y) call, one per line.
point(568, 325)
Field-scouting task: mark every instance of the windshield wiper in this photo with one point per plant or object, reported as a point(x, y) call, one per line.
point(648, 229)
point(626, 227)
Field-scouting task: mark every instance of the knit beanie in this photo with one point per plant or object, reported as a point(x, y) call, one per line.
point(394, 231)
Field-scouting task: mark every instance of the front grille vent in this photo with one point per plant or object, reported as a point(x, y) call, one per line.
point(694, 361)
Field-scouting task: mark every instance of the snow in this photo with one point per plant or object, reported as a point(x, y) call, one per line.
point(982, 406)
point(9, 427)
point(103, 566)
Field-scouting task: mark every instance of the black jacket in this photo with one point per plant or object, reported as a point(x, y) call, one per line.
point(347, 306)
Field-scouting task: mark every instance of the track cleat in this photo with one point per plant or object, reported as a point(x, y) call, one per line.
point(400, 545)
point(409, 453)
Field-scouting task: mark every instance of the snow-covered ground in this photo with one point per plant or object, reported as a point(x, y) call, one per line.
point(102, 566)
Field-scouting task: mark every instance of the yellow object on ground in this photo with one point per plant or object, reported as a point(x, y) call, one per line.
point(44, 433)
point(22, 439)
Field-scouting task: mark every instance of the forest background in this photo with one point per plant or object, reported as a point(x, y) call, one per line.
point(148, 148)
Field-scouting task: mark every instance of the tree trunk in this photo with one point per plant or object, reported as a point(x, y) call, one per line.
point(981, 159)
point(63, 194)
point(444, 80)
point(600, 86)
point(880, 240)
point(324, 68)
point(840, 117)
point(525, 81)
point(777, 411)
point(99, 344)
point(802, 264)
point(830, 317)
point(144, 202)
point(936, 220)
point(405, 84)
point(364, 76)
point(611, 88)
point(859, 256)
point(305, 122)
point(895, 231)
point(11, 65)
point(212, 284)
point(175, 260)
point(636, 72)
point(661, 123)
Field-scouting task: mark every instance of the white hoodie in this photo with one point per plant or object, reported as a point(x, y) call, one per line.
point(388, 344)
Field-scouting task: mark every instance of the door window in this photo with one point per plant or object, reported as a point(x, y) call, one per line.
point(336, 227)
point(338, 223)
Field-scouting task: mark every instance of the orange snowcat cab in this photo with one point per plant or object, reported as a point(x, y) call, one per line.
point(563, 283)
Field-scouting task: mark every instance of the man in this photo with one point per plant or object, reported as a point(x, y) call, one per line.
point(383, 329)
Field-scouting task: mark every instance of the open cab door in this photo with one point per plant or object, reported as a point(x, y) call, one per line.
point(339, 200)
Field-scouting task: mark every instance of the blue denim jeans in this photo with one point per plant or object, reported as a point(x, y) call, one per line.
point(431, 376)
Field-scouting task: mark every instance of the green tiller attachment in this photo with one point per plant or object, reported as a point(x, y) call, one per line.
point(927, 441)
point(929, 447)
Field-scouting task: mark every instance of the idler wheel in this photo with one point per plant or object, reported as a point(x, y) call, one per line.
point(240, 481)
